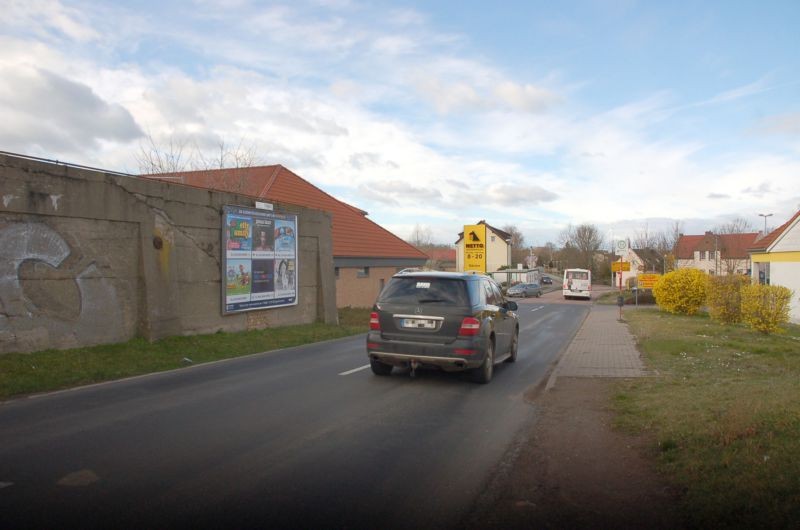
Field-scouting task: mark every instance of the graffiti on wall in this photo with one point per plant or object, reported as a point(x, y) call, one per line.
point(47, 301)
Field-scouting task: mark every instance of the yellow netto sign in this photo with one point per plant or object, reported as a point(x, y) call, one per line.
point(475, 248)
point(647, 281)
point(621, 266)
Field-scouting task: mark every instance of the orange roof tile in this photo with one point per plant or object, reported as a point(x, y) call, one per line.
point(764, 243)
point(729, 245)
point(354, 235)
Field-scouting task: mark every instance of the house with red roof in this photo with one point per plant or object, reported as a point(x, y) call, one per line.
point(776, 260)
point(715, 253)
point(365, 255)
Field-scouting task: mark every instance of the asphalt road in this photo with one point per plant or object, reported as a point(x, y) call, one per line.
point(305, 437)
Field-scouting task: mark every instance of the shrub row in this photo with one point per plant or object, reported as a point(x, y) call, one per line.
point(730, 299)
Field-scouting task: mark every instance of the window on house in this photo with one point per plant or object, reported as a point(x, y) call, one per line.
point(493, 238)
point(336, 272)
point(382, 283)
point(362, 272)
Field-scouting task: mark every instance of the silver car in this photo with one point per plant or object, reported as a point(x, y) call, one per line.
point(525, 289)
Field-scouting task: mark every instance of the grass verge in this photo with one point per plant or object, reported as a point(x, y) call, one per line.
point(630, 297)
point(725, 416)
point(25, 373)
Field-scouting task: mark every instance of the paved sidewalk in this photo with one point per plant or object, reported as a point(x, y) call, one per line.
point(603, 347)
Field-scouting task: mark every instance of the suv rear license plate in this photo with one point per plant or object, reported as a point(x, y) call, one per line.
point(418, 323)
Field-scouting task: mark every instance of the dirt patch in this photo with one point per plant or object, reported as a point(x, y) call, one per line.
point(570, 469)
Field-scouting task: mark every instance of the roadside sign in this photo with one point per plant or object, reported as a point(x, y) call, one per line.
point(620, 247)
point(621, 266)
point(475, 248)
point(647, 281)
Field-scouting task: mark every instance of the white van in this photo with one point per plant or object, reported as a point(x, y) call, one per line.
point(577, 284)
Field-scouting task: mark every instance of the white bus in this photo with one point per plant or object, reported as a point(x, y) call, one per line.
point(577, 284)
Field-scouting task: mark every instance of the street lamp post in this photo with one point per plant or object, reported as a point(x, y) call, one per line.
point(765, 215)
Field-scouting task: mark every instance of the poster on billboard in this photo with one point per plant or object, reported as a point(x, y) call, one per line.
point(260, 260)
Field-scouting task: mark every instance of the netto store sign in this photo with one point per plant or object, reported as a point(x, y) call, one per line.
point(475, 248)
point(260, 262)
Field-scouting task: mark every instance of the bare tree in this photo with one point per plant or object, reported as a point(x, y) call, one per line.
point(518, 250)
point(226, 156)
point(169, 157)
point(421, 237)
point(581, 241)
point(730, 263)
point(644, 238)
point(175, 156)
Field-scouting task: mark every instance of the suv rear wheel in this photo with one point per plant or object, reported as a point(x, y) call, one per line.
point(379, 368)
point(483, 374)
point(514, 347)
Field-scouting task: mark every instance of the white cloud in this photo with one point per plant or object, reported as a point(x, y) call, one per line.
point(342, 92)
point(43, 110)
point(42, 17)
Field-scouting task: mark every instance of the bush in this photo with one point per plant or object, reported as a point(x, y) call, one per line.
point(681, 291)
point(724, 297)
point(765, 307)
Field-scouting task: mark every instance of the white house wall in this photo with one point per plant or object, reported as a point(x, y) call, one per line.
point(497, 252)
point(787, 274)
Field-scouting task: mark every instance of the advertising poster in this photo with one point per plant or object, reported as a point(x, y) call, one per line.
point(260, 262)
point(238, 235)
point(475, 248)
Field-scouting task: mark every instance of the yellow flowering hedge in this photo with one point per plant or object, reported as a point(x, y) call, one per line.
point(681, 291)
point(724, 297)
point(765, 307)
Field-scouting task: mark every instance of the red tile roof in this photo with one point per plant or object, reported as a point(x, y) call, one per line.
point(685, 247)
point(354, 235)
point(504, 235)
point(764, 243)
point(729, 245)
point(442, 254)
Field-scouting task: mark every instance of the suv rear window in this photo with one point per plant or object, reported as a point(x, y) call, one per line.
point(435, 291)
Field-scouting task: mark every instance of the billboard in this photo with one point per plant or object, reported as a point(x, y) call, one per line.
point(475, 248)
point(260, 260)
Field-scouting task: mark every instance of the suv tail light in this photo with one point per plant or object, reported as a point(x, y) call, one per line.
point(469, 326)
point(374, 322)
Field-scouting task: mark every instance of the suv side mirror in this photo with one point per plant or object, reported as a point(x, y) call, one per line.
point(511, 305)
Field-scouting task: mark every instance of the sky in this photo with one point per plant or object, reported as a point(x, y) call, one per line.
point(623, 114)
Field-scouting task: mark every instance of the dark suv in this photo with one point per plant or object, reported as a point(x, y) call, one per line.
point(454, 321)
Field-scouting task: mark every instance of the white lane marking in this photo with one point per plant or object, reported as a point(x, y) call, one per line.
point(537, 308)
point(354, 370)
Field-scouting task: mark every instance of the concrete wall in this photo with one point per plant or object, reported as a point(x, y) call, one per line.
point(89, 257)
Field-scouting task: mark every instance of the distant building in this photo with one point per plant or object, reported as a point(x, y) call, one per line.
point(642, 260)
point(715, 253)
point(365, 255)
point(441, 259)
point(498, 248)
point(776, 260)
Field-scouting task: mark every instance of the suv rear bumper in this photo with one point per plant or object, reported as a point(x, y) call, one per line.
point(403, 353)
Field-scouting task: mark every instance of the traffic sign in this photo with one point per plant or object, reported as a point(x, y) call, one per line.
point(647, 281)
point(621, 266)
point(620, 247)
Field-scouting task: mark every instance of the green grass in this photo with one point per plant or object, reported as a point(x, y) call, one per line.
point(46, 370)
point(724, 413)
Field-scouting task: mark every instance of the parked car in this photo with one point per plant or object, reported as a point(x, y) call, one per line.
point(525, 289)
point(448, 320)
point(547, 280)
